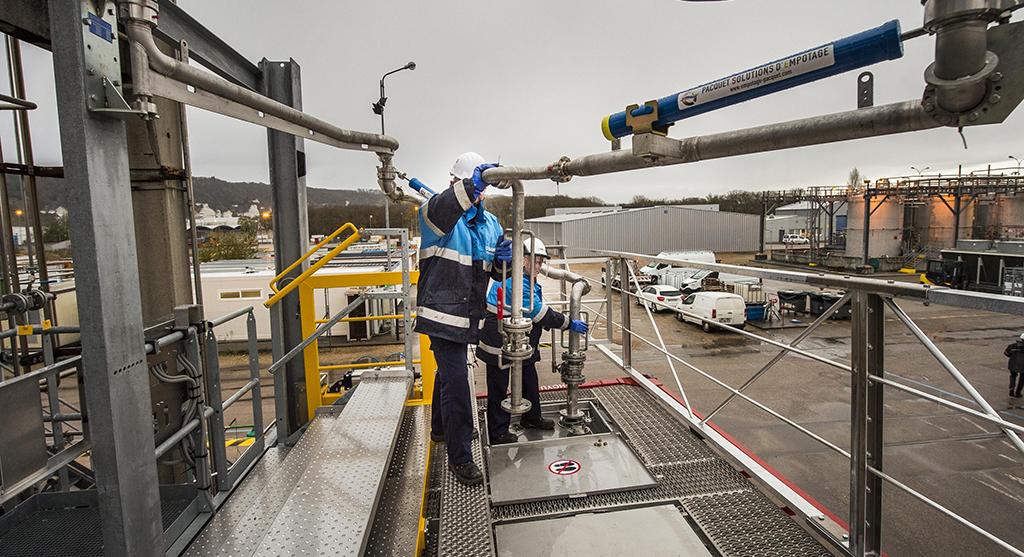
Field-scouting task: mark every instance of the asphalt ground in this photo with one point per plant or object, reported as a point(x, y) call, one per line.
point(959, 461)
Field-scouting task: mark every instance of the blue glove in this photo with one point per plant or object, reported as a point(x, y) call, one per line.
point(503, 253)
point(479, 185)
point(579, 326)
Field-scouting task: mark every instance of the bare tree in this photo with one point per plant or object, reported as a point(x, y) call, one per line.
point(855, 179)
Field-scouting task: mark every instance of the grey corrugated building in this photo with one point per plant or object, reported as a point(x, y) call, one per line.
point(649, 230)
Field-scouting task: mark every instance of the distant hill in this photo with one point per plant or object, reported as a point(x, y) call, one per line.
point(219, 194)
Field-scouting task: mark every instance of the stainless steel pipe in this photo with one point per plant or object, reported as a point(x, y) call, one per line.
point(140, 18)
point(571, 368)
point(888, 119)
point(517, 329)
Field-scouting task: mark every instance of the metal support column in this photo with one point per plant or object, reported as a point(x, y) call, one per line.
point(763, 223)
point(116, 377)
point(866, 415)
point(957, 209)
point(627, 337)
point(281, 82)
point(867, 225)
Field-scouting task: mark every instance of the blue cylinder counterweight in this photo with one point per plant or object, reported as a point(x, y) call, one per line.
point(856, 51)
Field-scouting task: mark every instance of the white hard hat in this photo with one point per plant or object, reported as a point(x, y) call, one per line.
point(539, 248)
point(1022, 336)
point(466, 164)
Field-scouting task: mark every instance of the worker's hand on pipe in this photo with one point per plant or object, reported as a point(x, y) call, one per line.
point(579, 326)
point(503, 253)
point(479, 185)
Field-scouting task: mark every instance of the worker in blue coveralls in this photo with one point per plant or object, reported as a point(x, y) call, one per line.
point(488, 348)
point(461, 244)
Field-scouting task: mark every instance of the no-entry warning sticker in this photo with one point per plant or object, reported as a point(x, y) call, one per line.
point(564, 467)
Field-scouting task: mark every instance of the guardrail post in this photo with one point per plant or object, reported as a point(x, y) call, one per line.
point(220, 458)
point(627, 337)
point(866, 422)
point(609, 273)
point(254, 374)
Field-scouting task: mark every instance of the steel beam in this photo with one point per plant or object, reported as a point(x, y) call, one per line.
point(26, 20)
point(115, 374)
point(281, 82)
point(205, 46)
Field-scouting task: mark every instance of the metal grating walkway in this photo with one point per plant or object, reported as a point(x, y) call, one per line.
point(735, 517)
point(319, 497)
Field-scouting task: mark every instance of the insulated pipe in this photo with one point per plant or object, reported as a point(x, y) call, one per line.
point(888, 119)
point(140, 20)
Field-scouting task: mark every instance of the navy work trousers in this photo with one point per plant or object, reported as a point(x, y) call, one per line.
point(451, 408)
point(497, 389)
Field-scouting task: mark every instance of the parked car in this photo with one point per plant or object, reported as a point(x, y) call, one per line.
point(716, 307)
point(663, 295)
point(794, 239)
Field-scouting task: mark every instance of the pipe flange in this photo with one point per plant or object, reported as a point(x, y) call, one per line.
point(941, 13)
point(561, 171)
point(37, 299)
point(987, 74)
point(19, 303)
point(513, 326)
point(510, 353)
point(145, 11)
point(523, 407)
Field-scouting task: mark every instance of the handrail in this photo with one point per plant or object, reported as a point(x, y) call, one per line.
point(278, 294)
point(216, 322)
point(365, 365)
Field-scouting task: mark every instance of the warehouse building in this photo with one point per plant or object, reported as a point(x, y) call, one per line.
point(649, 230)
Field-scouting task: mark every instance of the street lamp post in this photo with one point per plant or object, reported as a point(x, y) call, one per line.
point(378, 108)
point(920, 171)
point(1018, 161)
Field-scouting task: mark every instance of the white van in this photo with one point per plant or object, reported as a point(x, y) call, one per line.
point(720, 307)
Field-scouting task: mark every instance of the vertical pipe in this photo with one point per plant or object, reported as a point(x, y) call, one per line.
point(11, 280)
point(32, 197)
point(627, 340)
point(190, 197)
point(764, 221)
point(516, 336)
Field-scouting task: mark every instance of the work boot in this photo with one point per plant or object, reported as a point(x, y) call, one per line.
point(1017, 395)
point(505, 438)
point(543, 423)
point(467, 474)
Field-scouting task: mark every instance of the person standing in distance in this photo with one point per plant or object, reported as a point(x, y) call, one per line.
point(1015, 364)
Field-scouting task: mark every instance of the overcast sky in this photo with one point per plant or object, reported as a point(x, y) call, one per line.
point(530, 80)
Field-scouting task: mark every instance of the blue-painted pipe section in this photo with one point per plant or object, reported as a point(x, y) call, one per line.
point(421, 187)
point(856, 51)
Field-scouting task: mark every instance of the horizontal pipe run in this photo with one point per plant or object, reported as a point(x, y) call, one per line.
point(963, 521)
point(141, 33)
point(231, 316)
point(887, 119)
point(185, 430)
point(238, 394)
point(366, 365)
point(37, 330)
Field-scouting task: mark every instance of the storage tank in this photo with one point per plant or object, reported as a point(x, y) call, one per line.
point(1010, 220)
point(886, 228)
point(933, 222)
